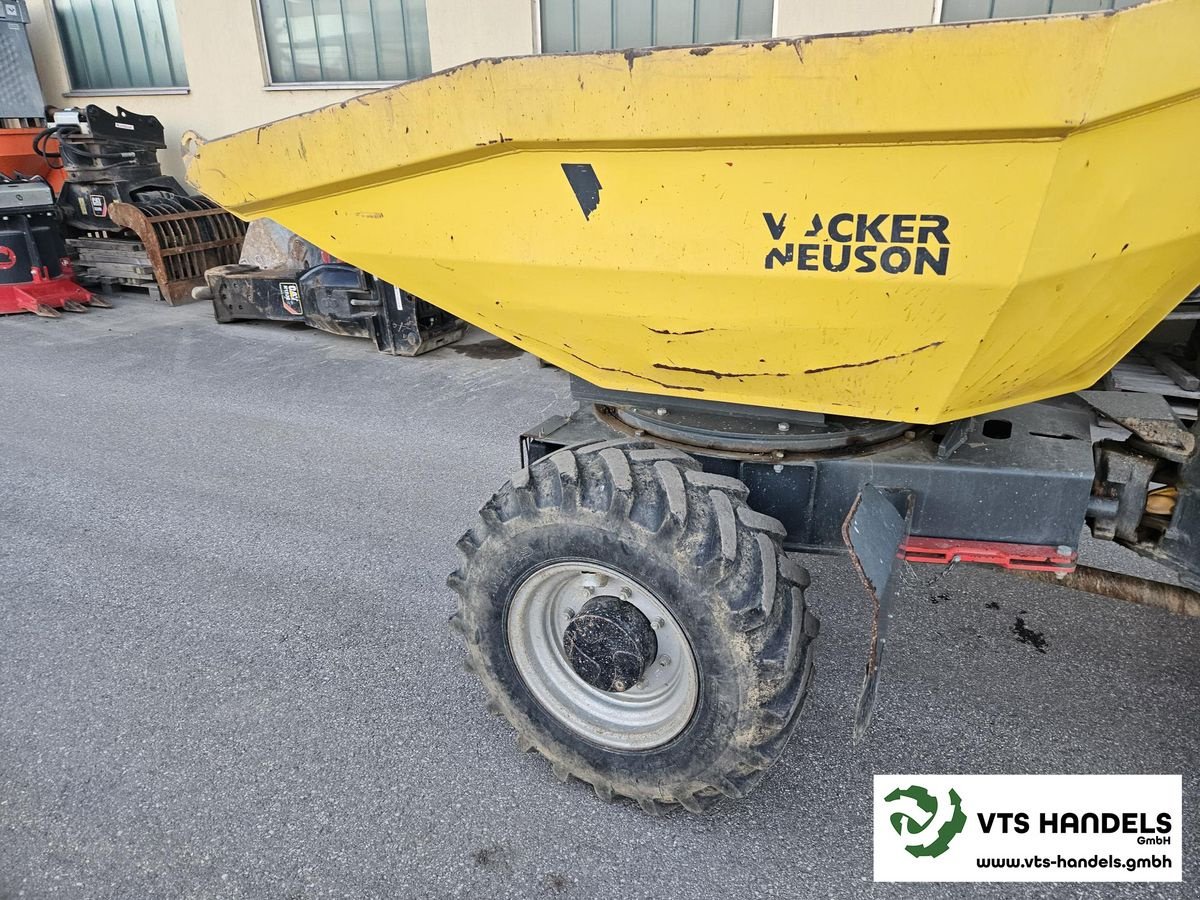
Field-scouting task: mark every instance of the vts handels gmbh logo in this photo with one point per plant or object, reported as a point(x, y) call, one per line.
point(919, 813)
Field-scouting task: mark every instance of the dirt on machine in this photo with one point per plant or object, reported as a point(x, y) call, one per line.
point(860, 293)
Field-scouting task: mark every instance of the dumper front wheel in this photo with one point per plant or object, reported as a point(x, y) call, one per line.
point(637, 623)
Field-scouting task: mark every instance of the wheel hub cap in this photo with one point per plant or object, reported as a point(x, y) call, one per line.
point(577, 631)
point(610, 644)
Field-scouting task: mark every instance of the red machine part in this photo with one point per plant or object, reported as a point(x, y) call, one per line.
point(43, 295)
point(18, 156)
point(1023, 557)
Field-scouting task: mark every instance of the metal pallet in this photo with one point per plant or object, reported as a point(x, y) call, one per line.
point(110, 264)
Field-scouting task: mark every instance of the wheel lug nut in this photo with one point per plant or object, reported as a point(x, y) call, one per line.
point(570, 613)
point(659, 623)
point(664, 660)
point(626, 593)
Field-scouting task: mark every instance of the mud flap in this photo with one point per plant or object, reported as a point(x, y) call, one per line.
point(874, 531)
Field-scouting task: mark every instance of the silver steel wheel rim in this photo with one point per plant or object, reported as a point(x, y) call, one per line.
point(652, 712)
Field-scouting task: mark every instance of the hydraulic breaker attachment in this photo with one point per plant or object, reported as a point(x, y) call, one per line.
point(281, 277)
point(333, 297)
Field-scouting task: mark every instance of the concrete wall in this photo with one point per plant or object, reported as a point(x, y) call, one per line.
point(463, 30)
point(227, 76)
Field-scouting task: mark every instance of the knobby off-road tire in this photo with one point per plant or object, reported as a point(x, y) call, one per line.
point(718, 566)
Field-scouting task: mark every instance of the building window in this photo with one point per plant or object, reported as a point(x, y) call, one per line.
point(121, 44)
point(570, 25)
point(969, 10)
point(341, 41)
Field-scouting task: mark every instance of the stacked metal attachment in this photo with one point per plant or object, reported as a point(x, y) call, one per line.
point(134, 226)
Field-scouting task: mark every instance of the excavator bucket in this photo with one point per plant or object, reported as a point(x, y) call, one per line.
point(915, 225)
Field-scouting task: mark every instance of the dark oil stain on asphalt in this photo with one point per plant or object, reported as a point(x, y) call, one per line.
point(489, 857)
point(992, 604)
point(1026, 635)
point(493, 349)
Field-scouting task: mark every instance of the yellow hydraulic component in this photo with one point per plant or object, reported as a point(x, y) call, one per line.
point(1163, 501)
point(914, 225)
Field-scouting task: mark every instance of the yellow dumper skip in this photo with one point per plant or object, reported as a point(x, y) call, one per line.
point(912, 225)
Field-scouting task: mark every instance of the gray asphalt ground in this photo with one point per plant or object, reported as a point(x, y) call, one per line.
point(225, 669)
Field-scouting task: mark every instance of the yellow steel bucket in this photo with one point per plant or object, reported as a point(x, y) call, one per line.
point(914, 225)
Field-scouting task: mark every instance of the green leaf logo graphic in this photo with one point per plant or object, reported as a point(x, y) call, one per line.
point(915, 822)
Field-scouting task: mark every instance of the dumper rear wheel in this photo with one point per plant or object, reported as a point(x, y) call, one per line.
point(638, 624)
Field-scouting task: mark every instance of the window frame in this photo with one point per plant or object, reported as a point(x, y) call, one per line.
point(538, 49)
point(939, 9)
point(269, 84)
point(73, 91)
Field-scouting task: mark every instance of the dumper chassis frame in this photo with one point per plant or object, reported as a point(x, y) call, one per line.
point(1029, 477)
point(1012, 489)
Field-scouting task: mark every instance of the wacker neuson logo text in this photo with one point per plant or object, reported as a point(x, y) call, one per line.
point(860, 243)
point(1028, 828)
